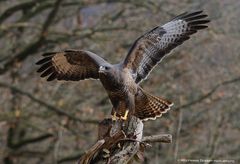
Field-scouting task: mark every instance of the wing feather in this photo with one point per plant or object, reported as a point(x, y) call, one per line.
point(70, 65)
point(149, 49)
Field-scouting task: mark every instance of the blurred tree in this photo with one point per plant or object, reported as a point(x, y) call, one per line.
point(53, 122)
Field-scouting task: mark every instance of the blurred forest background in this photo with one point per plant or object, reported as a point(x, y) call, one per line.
point(55, 122)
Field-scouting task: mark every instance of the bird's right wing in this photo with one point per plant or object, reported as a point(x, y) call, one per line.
point(70, 65)
point(152, 47)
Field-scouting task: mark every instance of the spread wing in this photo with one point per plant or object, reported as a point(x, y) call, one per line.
point(150, 48)
point(70, 65)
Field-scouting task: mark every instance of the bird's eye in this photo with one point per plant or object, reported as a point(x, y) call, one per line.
point(107, 68)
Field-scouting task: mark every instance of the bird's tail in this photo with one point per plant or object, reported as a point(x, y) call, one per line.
point(149, 106)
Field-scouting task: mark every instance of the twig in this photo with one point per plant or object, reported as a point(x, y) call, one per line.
point(111, 142)
point(30, 153)
point(203, 97)
point(178, 134)
point(57, 146)
point(30, 49)
point(7, 13)
point(200, 99)
point(5, 27)
point(121, 142)
point(72, 157)
point(215, 135)
point(163, 138)
point(87, 157)
point(48, 106)
point(129, 149)
point(29, 141)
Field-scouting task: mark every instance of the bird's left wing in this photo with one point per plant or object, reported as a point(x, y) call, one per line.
point(70, 65)
point(150, 48)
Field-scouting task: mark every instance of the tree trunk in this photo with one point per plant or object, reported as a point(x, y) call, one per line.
point(120, 142)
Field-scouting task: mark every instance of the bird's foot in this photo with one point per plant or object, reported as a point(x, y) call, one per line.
point(125, 115)
point(114, 116)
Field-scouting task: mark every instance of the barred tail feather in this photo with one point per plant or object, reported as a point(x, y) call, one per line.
point(149, 107)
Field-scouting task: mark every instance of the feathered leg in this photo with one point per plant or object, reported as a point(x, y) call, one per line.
point(114, 116)
point(114, 112)
point(130, 106)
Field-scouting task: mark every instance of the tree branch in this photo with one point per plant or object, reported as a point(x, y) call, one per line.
point(29, 141)
point(161, 138)
point(23, 6)
point(32, 48)
point(203, 97)
point(48, 106)
point(120, 142)
point(70, 158)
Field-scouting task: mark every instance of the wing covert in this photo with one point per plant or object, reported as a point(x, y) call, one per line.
point(70, 65)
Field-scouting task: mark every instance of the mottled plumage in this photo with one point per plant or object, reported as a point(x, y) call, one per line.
point(121, 81)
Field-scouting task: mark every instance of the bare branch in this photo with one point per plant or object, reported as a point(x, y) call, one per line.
point(30, 49)
point(73, 157)
point(7, 13)
point(120, 142)
point(179, 127)
point(203, 97)
point(48, 106)
point(29, 141)
point(162, 138)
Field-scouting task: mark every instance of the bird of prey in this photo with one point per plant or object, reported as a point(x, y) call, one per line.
point(121, 81)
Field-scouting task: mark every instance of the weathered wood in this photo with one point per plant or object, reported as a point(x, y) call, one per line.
point(163, 138)
point(133, 130)
point(120, 142)
point(91, 152)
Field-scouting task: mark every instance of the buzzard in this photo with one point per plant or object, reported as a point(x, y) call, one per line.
point(121, 81)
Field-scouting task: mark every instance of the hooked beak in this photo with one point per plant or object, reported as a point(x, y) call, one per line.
point(101, 69)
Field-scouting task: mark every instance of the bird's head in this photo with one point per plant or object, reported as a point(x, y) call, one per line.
point(104, 70)
point(109, 72)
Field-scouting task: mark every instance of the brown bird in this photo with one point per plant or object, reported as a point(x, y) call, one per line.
point(122, 80)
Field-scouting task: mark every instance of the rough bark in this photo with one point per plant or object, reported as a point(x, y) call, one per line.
point(120, 142)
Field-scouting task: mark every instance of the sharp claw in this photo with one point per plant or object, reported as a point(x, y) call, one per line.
point(114, 116)
point(125, 115)
point(123, 118)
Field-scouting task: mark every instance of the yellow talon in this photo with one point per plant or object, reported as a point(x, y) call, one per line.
point(114, 116)
point(125, 115)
